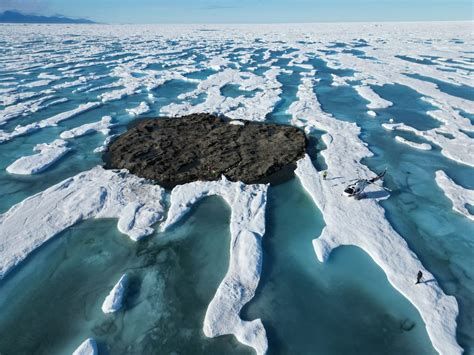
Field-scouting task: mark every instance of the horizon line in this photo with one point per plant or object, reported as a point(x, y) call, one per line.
point(233, 23)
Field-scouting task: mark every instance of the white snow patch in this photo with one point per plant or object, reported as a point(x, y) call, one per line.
point(114, 300)
point(102, 126)
point(140, 109)
point(103, 147)
point(421, 146)
point(88, 347)
point(37, 83)
point(375, 101)
point(48, 76)
point(24, 108)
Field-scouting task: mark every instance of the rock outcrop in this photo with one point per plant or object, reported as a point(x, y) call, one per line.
point(175, 151)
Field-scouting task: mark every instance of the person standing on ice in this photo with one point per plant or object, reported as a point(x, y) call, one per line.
point(418, 277)
point(325, 174)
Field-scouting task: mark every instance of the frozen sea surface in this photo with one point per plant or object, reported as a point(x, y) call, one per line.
point(415, 78)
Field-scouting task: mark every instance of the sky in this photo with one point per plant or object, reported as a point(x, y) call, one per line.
point(248, 11)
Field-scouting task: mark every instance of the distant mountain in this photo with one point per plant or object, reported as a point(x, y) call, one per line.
point(17, 17)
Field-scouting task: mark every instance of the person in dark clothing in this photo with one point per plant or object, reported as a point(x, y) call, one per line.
point(418, 277)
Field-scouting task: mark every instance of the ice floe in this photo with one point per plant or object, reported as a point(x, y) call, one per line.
point(114, 300)
point(48, 122)
point(375, 235)
point(102, 126)
point(49, 153)
point(454, 144)
point(88, 347)
point(458, 195)
point(421, 146)
point(375, 101)
point(27, 107)
point(105, 144)
point(97, 193)
point(247, 226)
point(140, 109)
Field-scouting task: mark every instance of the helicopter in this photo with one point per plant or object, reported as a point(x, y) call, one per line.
point(356, 189)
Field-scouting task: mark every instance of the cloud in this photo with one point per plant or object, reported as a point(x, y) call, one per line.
point(26, 6)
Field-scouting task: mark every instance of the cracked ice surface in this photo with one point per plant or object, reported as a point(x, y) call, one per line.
point(247, 226)
point(343, 218)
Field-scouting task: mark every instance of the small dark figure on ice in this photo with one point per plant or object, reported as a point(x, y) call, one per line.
point(419, 277)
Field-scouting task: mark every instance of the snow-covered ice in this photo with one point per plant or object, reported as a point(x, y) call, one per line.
point(97, 193)
point(343, 217)
point(254, 108)
point(252, 60)
point(114, 300)
point(48, 154)
point(48, 122)
point(375, 101)
point(372, 113)
point(454, 144)
point(102, 126)
point(247, 227)
point(458, 195)
point(105, 144)
point(421, 146)
point(88, 347)
point(140, 109)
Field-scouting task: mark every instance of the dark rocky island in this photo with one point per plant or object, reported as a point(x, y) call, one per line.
point(175, 151)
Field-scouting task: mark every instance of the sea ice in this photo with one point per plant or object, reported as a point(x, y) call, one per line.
point(49, 153)
point(253, 108)
point(459, 195)
point(375, 101)
point(48, 122)
point(97, 193)
point(102, 126)
point(88, 347)
point(114, 300)
point(454, 144)
point(247, 226)
point(421, 146)
point(136, 111)
point(362, 222)
point(372, 113)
